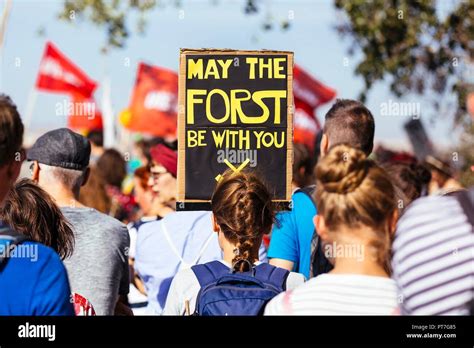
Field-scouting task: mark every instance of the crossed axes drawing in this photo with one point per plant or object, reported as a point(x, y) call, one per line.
point(231, 166)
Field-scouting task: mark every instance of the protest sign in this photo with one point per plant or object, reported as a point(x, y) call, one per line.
point(235, 113)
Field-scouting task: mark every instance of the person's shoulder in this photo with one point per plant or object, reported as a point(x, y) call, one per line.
point(185, 278)
point(149, 226)
point(280, 304)
point(187, 217)
point(111, 228)
point(107, 219)
point(187, 221)
point(429, 204)
point(302, 200)
point(90, 214)
point(106, 222)
point(310, 286)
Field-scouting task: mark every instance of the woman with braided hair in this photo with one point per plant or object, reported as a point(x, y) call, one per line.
point(242, 214)
point(356, 217)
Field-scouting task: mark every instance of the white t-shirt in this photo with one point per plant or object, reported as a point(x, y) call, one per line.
point(338, 294)
point(185, 287)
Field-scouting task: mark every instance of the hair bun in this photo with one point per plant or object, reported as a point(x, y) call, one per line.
point(342, 170)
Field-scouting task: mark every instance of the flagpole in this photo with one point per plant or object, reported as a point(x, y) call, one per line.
point(3, 23)
point(108, 113)
point(107, 110)
point(30, 106)
point(3, 31)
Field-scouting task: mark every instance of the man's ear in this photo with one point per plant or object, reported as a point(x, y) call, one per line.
point(323, 147)
point(320, 226)
point(36, 171)
point(215, 225)
point(86, 176)
point(392, 221)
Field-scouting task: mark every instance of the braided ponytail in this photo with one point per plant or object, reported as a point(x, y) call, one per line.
point(242, 207)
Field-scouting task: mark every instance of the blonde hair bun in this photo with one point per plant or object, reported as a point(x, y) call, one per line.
point(342, 170)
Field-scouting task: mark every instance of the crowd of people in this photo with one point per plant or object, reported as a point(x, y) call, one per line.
point(93, 233)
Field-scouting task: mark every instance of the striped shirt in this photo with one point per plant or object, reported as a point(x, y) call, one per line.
point(338, 294)
point(433, 260)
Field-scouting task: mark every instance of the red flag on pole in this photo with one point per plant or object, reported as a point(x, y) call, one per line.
point(154, 103)
point(59, 74)
point(309, 94)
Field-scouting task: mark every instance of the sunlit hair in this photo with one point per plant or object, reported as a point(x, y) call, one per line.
point(242, 207)
point(30, 210)
point(352, 192)
point(143, 175)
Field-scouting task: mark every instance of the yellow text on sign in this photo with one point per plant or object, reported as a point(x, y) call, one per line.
point(261, 67)
point(196, 138)
point(232, 105)
point(271, 68)
point(217, 68)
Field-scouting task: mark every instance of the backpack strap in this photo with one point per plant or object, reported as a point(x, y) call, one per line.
point(209, 272)
point(175, 251)
point(272, 275)
point(196, 260)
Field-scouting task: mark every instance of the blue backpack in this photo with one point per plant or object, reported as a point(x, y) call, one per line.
point(225, 292)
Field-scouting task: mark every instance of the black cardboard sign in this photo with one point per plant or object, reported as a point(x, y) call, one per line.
point(235, 113)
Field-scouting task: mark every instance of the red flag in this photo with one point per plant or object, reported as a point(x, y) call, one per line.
point(83, 114)
point(310, 90)
point(306, 126)
point(154, 104)
point(58, 74)
point(309, 94)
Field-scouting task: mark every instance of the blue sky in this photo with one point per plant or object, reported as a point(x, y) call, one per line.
point(197, 24)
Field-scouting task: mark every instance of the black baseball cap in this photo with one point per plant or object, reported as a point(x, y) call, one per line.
point(61, 148)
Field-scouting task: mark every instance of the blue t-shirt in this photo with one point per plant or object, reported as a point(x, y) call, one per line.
point(291, 236)
point(34, 282)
